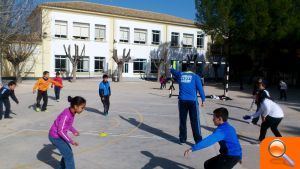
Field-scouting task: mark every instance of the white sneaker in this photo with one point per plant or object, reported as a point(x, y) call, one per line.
point(57, 100)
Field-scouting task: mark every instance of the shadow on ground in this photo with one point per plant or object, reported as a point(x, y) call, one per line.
point(161, 162)
point(152, 130)
point(45, 155)
point(93, 110)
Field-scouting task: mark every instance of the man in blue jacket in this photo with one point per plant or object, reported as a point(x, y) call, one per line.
point(189, 85)
point(225, 134)
point(5, 93)
point(104, 93)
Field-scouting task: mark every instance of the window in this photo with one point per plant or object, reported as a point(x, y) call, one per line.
point(174, 39)
point(188, 40)
point(139, 65)
point(99, 64)
point(140, 36)
point(155, 37)
point(61, 28)
point(154, 65)
point(200, 40)
point(83, 65)
point(124, 34)
point(100, 32)
point(60, 63)
point(125, 68)
point(81, 31)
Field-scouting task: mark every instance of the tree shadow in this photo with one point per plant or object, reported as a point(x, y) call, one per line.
point(45, 155)
point(161, 162)
point(93, 110)
point(152, 130)
point(227, 105)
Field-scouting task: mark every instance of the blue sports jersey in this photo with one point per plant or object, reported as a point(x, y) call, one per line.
point(189, 84)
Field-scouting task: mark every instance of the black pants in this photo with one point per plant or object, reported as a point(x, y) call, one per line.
point(269, 122)
point(40, 95)
point(255, 120)
point(57, 92)
point(282, 94)
point(221, 162)
point(6, 104)
point(191, 107)
point(106, 103)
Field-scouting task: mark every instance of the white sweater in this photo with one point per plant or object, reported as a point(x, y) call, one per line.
point(269, 108)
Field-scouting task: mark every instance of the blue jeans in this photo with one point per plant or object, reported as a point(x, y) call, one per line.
point(67, 160)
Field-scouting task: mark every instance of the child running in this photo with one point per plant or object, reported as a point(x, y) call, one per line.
point(57, 88)
point(104, 93)
point(58, 134)
point(42, 86)
point(5, 92)
point(225, 134)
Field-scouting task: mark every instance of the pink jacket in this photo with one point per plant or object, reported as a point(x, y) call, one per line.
point(62, 125)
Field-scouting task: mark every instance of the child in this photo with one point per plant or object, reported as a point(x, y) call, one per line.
point(282, 88)
point(58, 134)
point(42, 86)
point(5, 92)
point(104, 93)
point(271, 113)
point(57, 88)
point(225, 134)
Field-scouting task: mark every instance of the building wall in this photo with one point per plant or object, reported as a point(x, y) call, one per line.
point(52, 46)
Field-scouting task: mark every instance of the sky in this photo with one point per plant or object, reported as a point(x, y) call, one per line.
point(180, 8)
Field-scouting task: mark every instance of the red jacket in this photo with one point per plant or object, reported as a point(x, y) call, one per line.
point(59, 80)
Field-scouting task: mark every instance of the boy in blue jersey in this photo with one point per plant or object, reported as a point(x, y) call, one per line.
point(104, 93)
point(5, 93)
point(225, 134)
point(189, 85)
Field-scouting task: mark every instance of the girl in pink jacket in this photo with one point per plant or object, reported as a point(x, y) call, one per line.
point(58, 134)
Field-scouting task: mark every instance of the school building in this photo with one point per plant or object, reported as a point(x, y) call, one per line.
point(101, 29)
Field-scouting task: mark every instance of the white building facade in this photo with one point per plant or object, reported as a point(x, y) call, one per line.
point(100, 32)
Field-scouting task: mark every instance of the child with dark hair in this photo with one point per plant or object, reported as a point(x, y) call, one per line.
point(104, 93)
point(225, 134)
point(58, 134)
point(271, 113)
point(42, 86)
point(6, 92)
point(57, 88)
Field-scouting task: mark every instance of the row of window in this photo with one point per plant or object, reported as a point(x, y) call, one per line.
point(82, 31)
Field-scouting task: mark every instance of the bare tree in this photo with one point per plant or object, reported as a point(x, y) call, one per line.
point(160, 58)
point(18, 51)
point(120, 61)
point(74, 59)
point(13, 21)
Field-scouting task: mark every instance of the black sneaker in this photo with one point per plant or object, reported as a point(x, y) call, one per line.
point(8, 117)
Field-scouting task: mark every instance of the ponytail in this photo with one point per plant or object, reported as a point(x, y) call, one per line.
point(76, 101)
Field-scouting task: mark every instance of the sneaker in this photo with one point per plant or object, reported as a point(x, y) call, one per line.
point(37, 109)
point(8, 117)
point(45, 111)
point(57, 100)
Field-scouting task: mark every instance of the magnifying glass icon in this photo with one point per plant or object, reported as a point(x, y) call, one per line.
point(277, 149)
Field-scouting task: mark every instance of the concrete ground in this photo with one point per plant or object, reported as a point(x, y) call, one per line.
point(142, 128)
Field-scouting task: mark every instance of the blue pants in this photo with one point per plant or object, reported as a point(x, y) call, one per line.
point(191, 107)
point(67, 160)
point(57, 92)
point(6, 104)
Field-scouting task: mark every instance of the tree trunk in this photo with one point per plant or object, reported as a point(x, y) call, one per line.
point(18, 76)
point(120, 71)
point(159, 70)
point(74, 70)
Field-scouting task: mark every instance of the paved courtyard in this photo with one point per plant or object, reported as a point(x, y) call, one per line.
point(142, 128)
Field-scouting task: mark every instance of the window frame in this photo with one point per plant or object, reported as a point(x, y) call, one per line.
point(175, 34)
point(184, 38)
point(61, 23)
point(157, 33)
point(200, 40)
point(99, 59)
point(143, 61)
point(140, 32)
point(81, 63)
point(60, 57)
point(122, 30)
point(101, 28)
point(81, 26)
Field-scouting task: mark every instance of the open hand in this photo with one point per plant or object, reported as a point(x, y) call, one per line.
point(76, 134)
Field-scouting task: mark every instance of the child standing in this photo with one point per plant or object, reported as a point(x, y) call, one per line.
point(58, 134)
point(5, 92)
point(57, 89)
point(42, 86)
point(282, 88)
point(104, 93)
point(225, 134)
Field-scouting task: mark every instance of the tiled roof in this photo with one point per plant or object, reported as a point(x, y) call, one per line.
point(119, 11)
